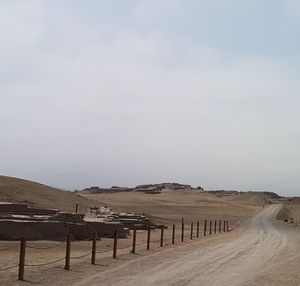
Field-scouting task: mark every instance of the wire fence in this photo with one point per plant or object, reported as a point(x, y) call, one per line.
point(81, 256)
point(45, 264)
point(46, 248)
point(10, 267)
point(9, 247)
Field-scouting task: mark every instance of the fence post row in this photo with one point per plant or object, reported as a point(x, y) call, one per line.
point(148, 239)
point(115, 244)
point(173, 234)
point(22, 259)
point(68, 252)
point(22, 251)
point(162, 236)
point(134, 240)
point(94, 249)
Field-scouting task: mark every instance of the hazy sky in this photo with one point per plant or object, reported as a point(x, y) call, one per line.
point(128, 92)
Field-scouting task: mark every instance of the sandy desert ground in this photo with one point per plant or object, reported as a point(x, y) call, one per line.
point(261, 251)
point(170, 206)
point(38, 195)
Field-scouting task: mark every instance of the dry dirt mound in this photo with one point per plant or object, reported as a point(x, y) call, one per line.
point(290, 213)
point(39, 195)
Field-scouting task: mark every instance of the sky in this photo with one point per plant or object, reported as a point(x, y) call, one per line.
point(102, 93)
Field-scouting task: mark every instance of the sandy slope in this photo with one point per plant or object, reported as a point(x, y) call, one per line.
point(38, 195)
point(170, 206)
point(252, 254)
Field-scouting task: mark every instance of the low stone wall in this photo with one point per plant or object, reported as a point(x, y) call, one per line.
point(20, 209)
point(14, 230)
point(52, 230)
point(107, 229)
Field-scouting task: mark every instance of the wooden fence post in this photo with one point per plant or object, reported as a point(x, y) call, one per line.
point(215, 226)
point(68, 252)
point(197, 229)
point(227, 227)
point(162, 236)
point(76, 208)
point(220, 226)
point(115, 244)
point(173, 234)
point(182, 230)
point(134, 240)
point(93, 259)
point(148, 239)
point(210, 227)
point(192, 229)
point(22, 259)
point(205, 226)
point(224, 226)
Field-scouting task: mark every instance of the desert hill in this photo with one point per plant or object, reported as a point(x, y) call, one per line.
point(38, 195)
point(168, 202)
point(170, 206)
point(148, 188)
point(172, 201)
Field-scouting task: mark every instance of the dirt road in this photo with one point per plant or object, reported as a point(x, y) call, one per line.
point(260, 252)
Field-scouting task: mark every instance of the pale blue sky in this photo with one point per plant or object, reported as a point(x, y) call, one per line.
point(128, 92)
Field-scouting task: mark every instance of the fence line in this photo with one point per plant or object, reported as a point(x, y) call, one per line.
point(9, 247)
point(44, 264)
point(45, 248)
point(81, 256)
point(93, 250)
point(10, 267)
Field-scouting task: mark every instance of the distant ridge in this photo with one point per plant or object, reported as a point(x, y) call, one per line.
point(262, 196)
point(140, 188)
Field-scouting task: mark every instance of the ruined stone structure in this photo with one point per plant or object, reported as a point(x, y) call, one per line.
point(17, 221)
point(128, 220)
